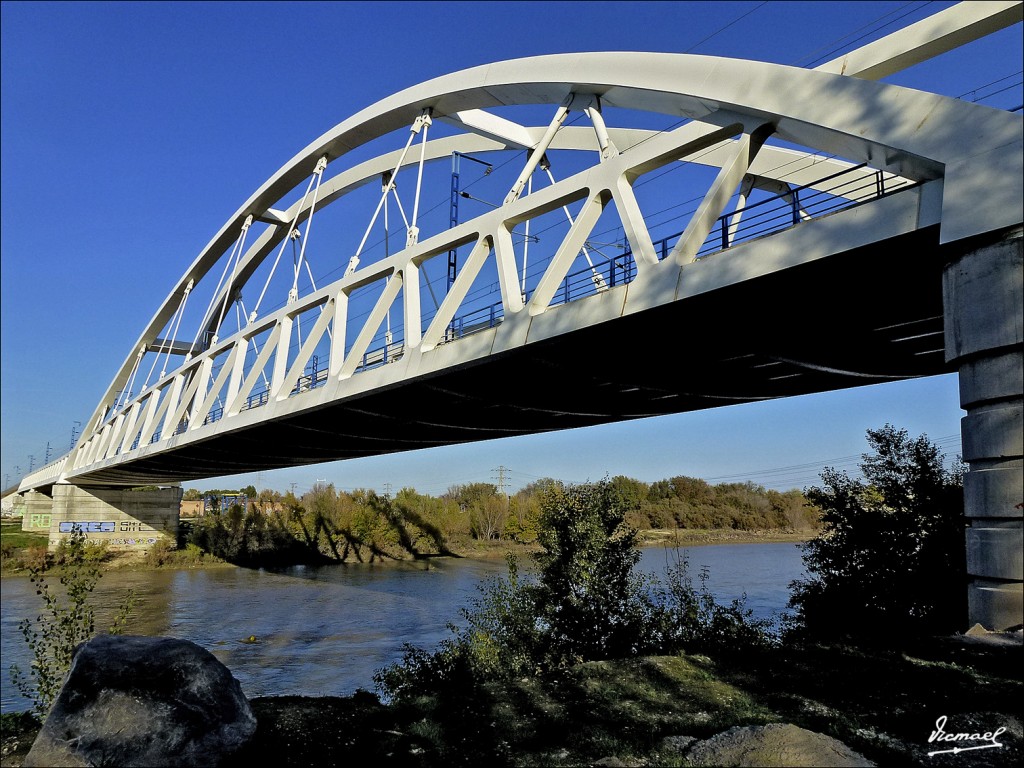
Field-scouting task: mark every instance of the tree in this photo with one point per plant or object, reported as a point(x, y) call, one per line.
point(587, 596)
point(65, 621)
point(890, 556)
point(487, 511)
point(487, 517)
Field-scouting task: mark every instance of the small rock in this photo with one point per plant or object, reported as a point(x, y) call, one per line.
point(152, 701)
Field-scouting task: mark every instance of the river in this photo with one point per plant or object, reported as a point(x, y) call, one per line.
point(323, 631)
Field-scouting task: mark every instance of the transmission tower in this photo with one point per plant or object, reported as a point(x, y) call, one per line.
point(502, 482)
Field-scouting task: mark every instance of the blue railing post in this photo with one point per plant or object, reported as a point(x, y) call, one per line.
point(796, 206)
point(725, 232)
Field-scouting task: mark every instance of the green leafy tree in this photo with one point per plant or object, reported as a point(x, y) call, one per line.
point(588, 598)
point(890, 556)
point(65, 621)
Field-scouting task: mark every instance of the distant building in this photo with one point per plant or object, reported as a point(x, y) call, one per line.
point(191, 508)
point(223, 503)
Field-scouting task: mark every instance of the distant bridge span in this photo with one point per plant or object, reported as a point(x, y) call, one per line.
point(837, 231)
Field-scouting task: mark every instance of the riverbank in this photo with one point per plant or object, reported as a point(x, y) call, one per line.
point(881, 702)
point(696, 537)
point(18, 544)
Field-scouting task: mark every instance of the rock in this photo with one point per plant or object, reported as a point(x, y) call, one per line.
point(144, 701)
point(676, 744)
point(976, 631)
point(777, 744)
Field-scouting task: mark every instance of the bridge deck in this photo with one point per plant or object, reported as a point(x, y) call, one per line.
point(868, 315)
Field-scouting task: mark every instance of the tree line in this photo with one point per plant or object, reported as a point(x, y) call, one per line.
point(328, 524)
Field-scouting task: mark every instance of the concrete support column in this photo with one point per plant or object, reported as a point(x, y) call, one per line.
point(38, 508)
point(125, 519)
point(983, 295)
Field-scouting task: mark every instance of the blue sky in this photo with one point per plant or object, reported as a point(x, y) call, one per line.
point(132, 131)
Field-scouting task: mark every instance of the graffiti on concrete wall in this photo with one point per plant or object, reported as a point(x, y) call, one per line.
point(143, 533)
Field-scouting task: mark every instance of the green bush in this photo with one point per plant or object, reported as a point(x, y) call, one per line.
point(589, 603)
point(891, 556)
point(688, 618)
point(163, 552)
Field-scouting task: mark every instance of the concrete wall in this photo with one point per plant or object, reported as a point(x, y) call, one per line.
point(12, 505)
point(37, 508)
point(984, 323)
point(124, 519)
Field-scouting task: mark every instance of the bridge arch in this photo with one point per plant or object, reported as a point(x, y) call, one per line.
point(910, 134)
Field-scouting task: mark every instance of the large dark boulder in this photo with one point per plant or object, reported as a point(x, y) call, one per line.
point(144, 701)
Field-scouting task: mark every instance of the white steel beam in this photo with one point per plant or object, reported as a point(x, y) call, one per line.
point(961, 24)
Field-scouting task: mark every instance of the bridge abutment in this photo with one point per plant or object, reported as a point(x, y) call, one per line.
point(984, 331)
point(125, 519)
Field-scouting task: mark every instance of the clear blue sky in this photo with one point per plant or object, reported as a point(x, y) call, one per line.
point(132, 131)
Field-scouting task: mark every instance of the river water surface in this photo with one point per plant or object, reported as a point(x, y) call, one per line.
point(323, 631)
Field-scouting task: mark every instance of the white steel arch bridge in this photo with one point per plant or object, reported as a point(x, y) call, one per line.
point(621, 235)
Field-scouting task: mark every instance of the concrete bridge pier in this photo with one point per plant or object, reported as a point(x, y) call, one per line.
point(984, 333)
point(126, 519)
point(37, 511)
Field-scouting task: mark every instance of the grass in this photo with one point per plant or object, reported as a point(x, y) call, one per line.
point(12, 536)
point(19, 548)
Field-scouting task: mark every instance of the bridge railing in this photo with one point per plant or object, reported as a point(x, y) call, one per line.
point(836, 192)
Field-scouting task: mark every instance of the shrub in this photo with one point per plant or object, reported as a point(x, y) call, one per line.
point(161, 553)
point(891, 555)
point(689, 618)
point(66, 620)
point(589, 602)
